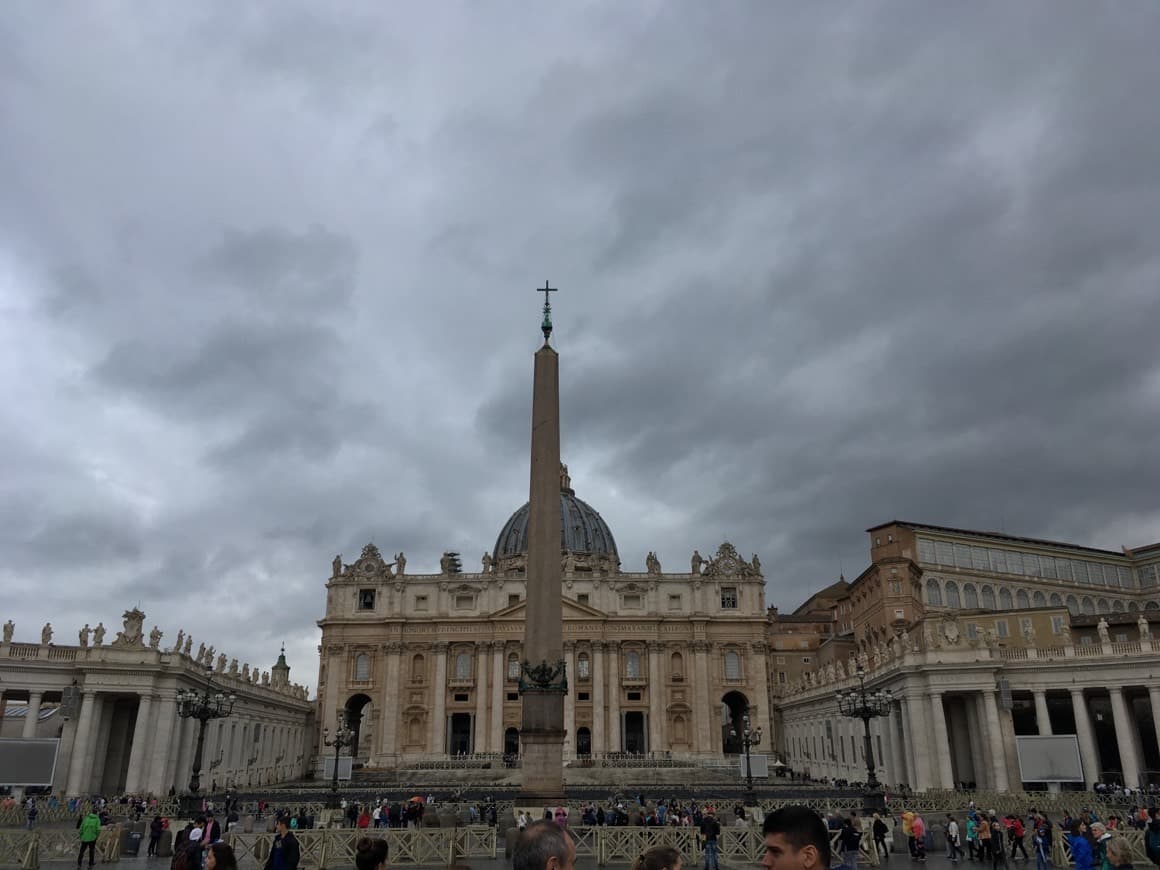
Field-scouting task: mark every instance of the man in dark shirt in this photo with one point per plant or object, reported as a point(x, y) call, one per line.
point(285, 853)
point(710, 830)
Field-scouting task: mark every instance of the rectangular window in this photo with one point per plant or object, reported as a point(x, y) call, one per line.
point(1086, 640)
point(582, 598)
point(513, 599)
point(1057, 625)
point(1001, 628)
point(781, 660)
point(900, 613)
point(584, 696)
point(972, 630)
point(460, 697)
point(420, 602)
point(728, 597)
point(803, 644)
point(366, 599)
point(674, 602)
point(805, 660)
point(895, 587)
point(631, 602)
point(634, 696)
point(513, 696)
point(781, 678)
point(464, 602)
point(1121, 637)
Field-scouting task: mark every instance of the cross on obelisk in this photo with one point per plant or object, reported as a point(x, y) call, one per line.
point(543, 682)
point(546, 326)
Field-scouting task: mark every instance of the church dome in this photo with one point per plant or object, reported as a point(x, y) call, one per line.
point(582, 529)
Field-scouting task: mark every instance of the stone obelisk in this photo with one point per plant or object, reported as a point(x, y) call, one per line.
point(543, 683)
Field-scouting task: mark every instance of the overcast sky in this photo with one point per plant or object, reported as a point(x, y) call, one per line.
point(267, 280)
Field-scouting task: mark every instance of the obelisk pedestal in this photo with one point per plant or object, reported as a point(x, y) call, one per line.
point(543, 683)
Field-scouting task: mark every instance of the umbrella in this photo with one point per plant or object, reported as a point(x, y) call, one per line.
point(418, 799)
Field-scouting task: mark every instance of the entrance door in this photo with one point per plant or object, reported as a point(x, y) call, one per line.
point(634, 733)
point(583, 742)
point(460, 739)
point(511, 743)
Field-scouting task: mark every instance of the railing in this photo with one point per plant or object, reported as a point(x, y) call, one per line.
point(1125, 647)
point(23, 651)
point(62, 653)
point(29, 849)
point(322, 849)
point(1010, 653)
point(1089, 649)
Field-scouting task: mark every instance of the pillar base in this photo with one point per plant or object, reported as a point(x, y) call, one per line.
point(873, 801)
point(542, 765)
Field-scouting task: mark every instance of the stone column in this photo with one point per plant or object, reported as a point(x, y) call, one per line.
point(570, 702)
point(897, 774)
point(438, 745)
point(32, 717)
point(995, 749)
point(918, 742)
point(479, 729)
point(598, 712)
point(942, 743)
point(1088, 753)
point(759, 678)
point(389, 733)
point(702, 708)
point(162, 740)
point(497, 695)
point(1127, 736)
point(1042, 715)
point(980, 771)
point(614, 730)
point(1154, 699)
point(656, 699)
point(80, 766)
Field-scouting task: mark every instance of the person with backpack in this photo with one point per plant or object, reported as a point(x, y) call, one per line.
point(954, 852)
point(1041, 843)
point(880, 831)
point(285, 853)
point(848, 841)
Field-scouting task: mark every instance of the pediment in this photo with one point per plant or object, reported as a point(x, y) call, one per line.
point(572, 610)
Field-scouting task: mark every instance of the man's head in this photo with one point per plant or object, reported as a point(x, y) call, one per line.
point(282, 824)
point(795, 839)
point(544, 845)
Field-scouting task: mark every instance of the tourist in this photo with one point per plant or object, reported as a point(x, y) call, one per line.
point(908, 832)
point(1041, 843)
point(918, 827)
point(710, 831)
point(1016, 832)
point(849, 840)
point(1119, 852)
point(1100, 837)
point(658, 858)
point(880, 831)
point(285, 851)
point(973, 844)
point(952, 830)
point(155, 828)
point(1081, 850)
point(544, 845)
point(220, 856)
point(90, 830)
point(1152, 837)
point(370, 854)
point(998, 847)
point(795, 839)
point(212, 832)
point(32, 813)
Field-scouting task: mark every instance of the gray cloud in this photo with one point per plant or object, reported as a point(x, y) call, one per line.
point(268, 281)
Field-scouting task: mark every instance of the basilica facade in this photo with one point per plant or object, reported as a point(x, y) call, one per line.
point(659, 663)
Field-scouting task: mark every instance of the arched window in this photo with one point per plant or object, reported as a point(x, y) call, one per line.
point(933, 593)
point(732, 666)
point(362, 667)
point(1021, 599)
point(414, 731)
point(1102, 606)
point(513, 670)
point(1151, 605)
point(970, 597)
point(1072, 605)
point(1089, 606)
point(583, 671)
point(1039, 599)
point(677, 665)
point(988, 598)
point(952, 593)
point(1133, 607)
point(463, 666)
point(1056, 601)
point(632, 665)
point(418, 668)
point(1005, 601)
point(680, 730)
point(1117, 606)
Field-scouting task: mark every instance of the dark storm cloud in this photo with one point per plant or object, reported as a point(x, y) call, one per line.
point(267, 282)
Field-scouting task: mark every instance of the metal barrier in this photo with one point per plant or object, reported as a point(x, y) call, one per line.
point(28, 849)
point(322, 849)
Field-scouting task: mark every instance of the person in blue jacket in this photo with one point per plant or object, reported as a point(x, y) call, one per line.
point(1081, 849)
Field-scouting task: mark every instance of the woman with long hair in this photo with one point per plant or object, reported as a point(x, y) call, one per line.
point(658, 858)
point(371, 854)
point(220, 856)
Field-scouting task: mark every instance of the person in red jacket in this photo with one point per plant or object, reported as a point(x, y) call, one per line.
point(1016, 832)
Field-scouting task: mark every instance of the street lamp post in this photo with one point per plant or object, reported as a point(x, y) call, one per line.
point(749, 737)
point(343, 737)
point(203, 706)
point(860, 704)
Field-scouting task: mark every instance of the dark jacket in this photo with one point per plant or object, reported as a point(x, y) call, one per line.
point(291, 853)
point(1081, 852)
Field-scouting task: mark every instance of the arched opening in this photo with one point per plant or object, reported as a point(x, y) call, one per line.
point(362, 667)
point(1152, 605)
point(1022, 601)
point(1005, 600)
point(511, 742)
point(1040, 599)
point(1056, 600)
point(632, 665)
point(583, 742)
point(732, 665)
point(734, 709)
point(358, 715)
point(677, 666)
point(1072, 605)
point(634, 733)
point(463, 666)
point(1117, 606)
point(933, 593)
point(418, 668)
point(1133, 607)
point(970, 597)
point(1088, 606)
point(459, 738)
point(988, 598)
point(952, 594)
point(1102, 606)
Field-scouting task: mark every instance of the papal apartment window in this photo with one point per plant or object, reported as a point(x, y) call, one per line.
point(366, 599)
point(781, 660)
point(728, 597)
point(420, 602)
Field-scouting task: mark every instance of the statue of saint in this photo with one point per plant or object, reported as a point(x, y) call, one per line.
point(9, 627)
point(756, 564)
point(233, 667)
point(46, 634)
point(221, 663)
point(84, 636)
point(488, 563)
point(697, 563)
point(99, 634)
point(651, 563)
point(1102, 630)
point(180, 640)
point(246, 672)
point(188, 645)
point(1145, 629)
point(336, 566)
point(200, 653)
point(155, 638)
point(400, 564)
point(1065, 634)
